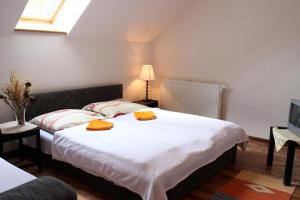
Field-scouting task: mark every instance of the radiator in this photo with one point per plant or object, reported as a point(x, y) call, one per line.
point(191, 97)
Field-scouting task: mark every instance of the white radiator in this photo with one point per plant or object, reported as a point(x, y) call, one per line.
point(191, 97)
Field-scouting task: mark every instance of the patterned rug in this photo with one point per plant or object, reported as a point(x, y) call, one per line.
point(253, 186)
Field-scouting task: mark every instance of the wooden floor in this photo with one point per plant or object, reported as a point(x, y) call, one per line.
point(254, 159)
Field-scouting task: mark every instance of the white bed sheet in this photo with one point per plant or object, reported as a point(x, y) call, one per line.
point(11, 176)
point(46, 141)
point(148, 157)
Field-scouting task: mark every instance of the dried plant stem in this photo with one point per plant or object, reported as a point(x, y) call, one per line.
point(11, 106)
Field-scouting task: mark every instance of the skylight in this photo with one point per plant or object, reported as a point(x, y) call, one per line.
point(51, 15)
point(42, 10)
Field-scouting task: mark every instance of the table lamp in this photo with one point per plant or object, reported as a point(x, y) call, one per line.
point(147, 74)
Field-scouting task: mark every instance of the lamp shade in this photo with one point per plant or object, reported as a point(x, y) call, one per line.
point(147, 73)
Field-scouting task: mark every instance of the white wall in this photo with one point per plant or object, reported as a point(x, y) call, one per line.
point(56, 62)
point(252, 46)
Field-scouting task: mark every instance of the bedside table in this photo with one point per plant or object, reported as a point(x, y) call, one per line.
point(10, 131)
point(150, 103)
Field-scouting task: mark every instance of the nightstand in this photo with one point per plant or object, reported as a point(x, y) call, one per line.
point(150, 103)
point(10, 131)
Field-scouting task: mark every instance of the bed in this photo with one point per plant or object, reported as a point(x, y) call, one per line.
point(160, 159)
point(18, 184)
point(13, 176)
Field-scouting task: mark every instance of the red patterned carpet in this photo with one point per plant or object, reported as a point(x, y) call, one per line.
point(250, 185)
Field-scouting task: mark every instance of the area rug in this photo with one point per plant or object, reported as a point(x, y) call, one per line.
point(254, 186)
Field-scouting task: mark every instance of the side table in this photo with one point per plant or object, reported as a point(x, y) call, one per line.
point(150, 103)
point(290, 154)
point(10, 131)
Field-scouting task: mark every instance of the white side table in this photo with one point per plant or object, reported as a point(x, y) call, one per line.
point(11, 131)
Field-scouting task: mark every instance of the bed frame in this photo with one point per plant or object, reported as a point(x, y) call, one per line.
point(77, 98)
point(48, 102)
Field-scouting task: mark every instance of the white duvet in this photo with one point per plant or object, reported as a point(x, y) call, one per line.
point(147, 157)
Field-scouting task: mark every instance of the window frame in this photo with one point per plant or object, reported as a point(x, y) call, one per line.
point(41, 20)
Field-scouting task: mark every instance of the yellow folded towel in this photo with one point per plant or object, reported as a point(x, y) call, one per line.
point(98, 125)
point(144, 115)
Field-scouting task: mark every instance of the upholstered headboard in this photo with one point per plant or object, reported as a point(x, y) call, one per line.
point(76, 99)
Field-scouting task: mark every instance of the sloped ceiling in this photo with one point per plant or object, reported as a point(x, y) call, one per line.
point(126, 20)
point(10, 12)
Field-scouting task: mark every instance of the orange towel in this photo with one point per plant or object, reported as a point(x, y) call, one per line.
point(144, 115)
point(98, 125)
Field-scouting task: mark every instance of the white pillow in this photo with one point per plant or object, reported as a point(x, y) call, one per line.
point(114, 108)
point(97, 107)
point(61, 119)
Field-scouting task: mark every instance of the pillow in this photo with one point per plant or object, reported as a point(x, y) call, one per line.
point(124, 108)
point(61, 119)
point(114, 108)
point(98, 106)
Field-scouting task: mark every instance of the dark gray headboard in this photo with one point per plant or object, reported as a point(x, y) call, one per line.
point(77, 98)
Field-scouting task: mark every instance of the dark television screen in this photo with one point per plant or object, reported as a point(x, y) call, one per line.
point(295, 115)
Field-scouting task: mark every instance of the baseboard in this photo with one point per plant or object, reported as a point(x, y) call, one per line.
point(258, 139)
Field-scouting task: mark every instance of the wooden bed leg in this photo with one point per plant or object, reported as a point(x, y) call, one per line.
point(235, 154)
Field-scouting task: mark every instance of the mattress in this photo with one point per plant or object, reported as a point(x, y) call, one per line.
point(46, 141)
point(12, 176)
point(147, 157)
